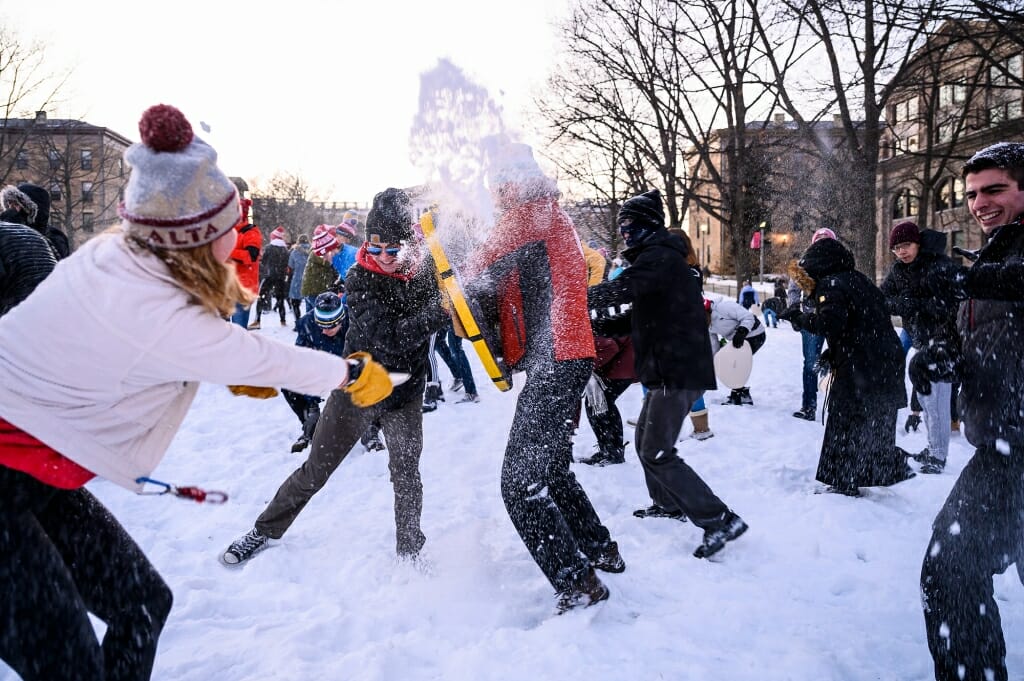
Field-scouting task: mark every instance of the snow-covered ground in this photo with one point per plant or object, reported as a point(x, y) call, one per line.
point(822, 587)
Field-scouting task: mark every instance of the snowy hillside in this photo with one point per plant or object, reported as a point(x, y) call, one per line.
point(822, 587)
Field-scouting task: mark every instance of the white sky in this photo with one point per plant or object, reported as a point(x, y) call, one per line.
point(327, 90)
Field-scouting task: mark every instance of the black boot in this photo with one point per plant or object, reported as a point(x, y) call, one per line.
point(734, 397)
point(608, 558)
point(584, 592)
point(745, 397)
point(730, 527)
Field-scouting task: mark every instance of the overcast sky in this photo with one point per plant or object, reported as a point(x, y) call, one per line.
point(324, 89)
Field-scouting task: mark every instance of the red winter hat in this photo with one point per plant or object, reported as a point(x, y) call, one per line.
point(278, 233)
point(905, 232)
point(324, 240)
point(347, 228)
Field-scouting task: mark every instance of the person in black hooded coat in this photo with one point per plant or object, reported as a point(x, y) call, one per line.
point(866, 361)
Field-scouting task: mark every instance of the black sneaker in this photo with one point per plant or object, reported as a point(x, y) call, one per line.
point(608, 559)
point(603, 458)
point(922, 456)
point(806, 413)
point(845, 491)
point(730, 527)
point(656, 511)
point(300, 444)
point(931, 465)
point(245, 547)
point(589, 590)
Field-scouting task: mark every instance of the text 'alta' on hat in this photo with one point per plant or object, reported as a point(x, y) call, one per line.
point(324, 240)
point(176, 196)
point(903, 233)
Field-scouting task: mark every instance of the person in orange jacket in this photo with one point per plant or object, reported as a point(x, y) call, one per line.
point(246, 257)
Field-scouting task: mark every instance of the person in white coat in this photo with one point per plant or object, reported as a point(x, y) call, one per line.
point(132, 321)
point(737, 325)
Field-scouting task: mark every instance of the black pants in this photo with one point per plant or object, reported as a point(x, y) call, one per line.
point(306, 408)
point(272, 289)
point(62, 556)
point(546, 503)
point(671, 483)
point(978, 533)
point(607, 427)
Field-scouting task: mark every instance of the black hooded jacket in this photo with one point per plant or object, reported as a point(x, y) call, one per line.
point(927, 315)
point(660, 295)
point(991, 325)
point(25, 260)
point(863, 348)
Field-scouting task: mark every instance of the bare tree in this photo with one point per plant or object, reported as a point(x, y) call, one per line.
point(286, 199)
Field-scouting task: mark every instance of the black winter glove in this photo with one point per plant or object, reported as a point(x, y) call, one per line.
point(937, 362)
point(913, 423)
point(793, 315)
point(739, 337)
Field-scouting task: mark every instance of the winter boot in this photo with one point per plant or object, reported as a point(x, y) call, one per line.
point(730, 527)
point(431, 396)
point(922, 455)
point(805, 413)
point(245, 547)
point(300, 444)
point(734, 397)
point(371, 439)
point(589, 589)
point(255, 325)
point(656, 511)
point(606, 457)
point(745, 397)
point(608, 558)
point(913, 423)
point(701, 430)
point(930, 465)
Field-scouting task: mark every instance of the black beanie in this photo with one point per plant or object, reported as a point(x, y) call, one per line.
point(390, 219)
point(42, 201)
point(645, 209)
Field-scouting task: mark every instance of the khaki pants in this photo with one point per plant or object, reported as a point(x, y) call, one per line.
point(339, 429)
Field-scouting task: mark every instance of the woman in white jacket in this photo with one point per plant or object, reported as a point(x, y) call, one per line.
point(131, 323)
point(736, 324)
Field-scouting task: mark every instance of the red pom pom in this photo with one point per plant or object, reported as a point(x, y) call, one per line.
point(164, 128)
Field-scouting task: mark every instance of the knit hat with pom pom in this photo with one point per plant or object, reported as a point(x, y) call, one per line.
point(176, 196)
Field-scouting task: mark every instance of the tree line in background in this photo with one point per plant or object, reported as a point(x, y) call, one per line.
point(746, 109)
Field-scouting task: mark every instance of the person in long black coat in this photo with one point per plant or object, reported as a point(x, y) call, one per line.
point(866, 361)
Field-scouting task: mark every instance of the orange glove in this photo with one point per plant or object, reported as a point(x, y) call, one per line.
point(368, 381)
point(256, 392)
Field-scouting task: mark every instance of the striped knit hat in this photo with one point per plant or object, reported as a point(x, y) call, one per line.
point(324, 240)
point(328, 311)
point(278, 233)
point(176, 196)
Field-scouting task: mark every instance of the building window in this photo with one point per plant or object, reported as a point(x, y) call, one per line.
point(55, 193)
point(86, 159)
point(905, 204)
point(54, 157)
point(87, 221)
point(912, 144)
point(21, 160)
point(943, 195)
point(958, 192)
point(87, 192)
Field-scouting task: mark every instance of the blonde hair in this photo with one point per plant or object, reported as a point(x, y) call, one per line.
point(213, 284)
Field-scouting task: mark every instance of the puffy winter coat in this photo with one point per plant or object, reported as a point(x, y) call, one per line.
point(393, 316)
point(728, 316)
point(297, 265)
point(926, 313)
point(246, 255)
point(660, 296)
point(343, 260)
point(25, 260)
point(991, 325)
point(863, 348)
point(318, 276)
point(531, 266)
point(274, 263)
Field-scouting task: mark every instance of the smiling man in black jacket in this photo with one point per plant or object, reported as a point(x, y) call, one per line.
point(660, 295)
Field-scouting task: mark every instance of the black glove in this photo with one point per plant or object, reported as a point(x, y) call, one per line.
point(739, 337)
point(913, 422)
point(937, 362)
point(794, 316)
point(823, 364)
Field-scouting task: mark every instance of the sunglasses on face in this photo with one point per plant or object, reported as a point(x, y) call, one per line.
point(625, 222)
point(377, 250)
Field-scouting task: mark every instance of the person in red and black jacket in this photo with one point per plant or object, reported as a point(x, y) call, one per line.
point(613, 374)
point(246, 257)
point(532, 263)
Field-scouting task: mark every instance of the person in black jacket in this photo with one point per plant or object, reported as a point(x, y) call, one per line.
point(25, 256)
point(866, 361)
point(57, 238)
point(980, 530)
point(394, 307)
point(274, 277)
point(927, 318)
point(673, 360)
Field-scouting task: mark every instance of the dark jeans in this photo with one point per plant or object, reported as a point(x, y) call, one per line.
point(812, 345)
point(460, 360)
point(546, 503)
point(986, 508)
point(671, 483)
point(306, 408)
point(337, 432)
point(276, 289)
point(62, 556)
point(607, 427)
